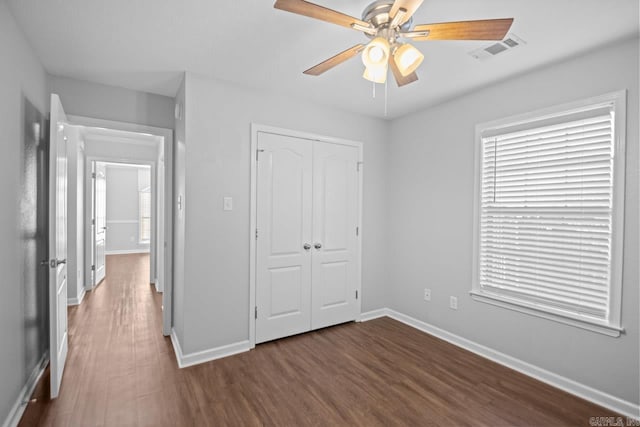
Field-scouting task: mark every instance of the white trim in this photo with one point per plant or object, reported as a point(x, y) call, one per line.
point(373, 314)
point(563, 383)
point(78, 300)
point(122, 221)
point(546, 313)
point(613, 324)
point(190, 359)
point(126, 251)
point(15, 414)
point(255, 130)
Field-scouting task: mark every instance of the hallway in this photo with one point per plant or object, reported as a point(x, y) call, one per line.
point(117, 355)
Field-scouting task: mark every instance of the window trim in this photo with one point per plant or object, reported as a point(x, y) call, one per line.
point(612, 326)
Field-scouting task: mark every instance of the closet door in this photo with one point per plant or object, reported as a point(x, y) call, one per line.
point(284, 214)
point(335, 218)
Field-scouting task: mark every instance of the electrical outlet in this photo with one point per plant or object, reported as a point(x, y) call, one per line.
point(453, 303)
point(427, 294)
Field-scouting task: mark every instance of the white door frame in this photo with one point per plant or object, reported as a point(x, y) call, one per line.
point(89, 195)
point(255, 130)
point(165, 258)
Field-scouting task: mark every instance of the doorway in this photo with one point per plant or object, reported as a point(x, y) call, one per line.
point(306, 233)
point(122, 219)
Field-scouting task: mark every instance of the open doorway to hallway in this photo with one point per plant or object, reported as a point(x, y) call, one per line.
point(122, 215)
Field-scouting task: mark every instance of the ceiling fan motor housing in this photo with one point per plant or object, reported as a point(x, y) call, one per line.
point(377, 13)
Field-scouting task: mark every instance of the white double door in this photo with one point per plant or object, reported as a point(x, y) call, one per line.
point(307, 250)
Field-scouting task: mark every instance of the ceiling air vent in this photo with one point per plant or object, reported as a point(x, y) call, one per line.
point(509, 43)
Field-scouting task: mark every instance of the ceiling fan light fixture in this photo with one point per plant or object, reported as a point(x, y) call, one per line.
point(376, 53)
point(376, 74)
point(407, 58)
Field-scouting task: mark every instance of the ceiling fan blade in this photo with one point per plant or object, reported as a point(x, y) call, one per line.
point(488, 29)
point(409, 5)
point(334, 60)
point(311, 10)
point(400, 79)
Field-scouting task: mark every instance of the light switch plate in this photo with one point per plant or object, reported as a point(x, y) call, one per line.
point(227, 203)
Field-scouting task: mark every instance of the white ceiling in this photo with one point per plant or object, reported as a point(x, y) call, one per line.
point(146, 44)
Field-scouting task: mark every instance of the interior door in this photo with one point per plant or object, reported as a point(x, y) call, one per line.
point(283, 247)
point(100, 221)
point(57, 244)
point(335, 235)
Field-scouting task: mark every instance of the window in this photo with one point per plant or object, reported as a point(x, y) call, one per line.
point(549, 213)
point(145, 215)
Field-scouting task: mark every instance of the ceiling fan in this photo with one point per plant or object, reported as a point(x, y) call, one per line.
point(388, 23)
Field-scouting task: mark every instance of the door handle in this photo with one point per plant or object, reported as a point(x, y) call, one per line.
point(317, 246)
point(56, 262)
point(307, 246)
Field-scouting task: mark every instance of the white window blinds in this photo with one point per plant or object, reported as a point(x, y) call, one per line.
point(546, 213)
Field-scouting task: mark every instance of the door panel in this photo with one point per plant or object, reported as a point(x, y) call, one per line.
point(100, 209)
point(283, 266)
point(57, 244)
point(335, 218)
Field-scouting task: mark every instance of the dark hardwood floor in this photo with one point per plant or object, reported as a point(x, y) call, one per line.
point(121, 371)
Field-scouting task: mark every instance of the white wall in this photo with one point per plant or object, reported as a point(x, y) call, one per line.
point(99, 101)
point(21, 76)
point(123, 186)
point(431, 213)
point(216, 255)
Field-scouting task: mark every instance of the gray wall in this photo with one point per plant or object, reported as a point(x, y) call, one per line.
point(216, 281)
point(431, 216)
point(22, 81)
point(123, 184)
point(81, 98)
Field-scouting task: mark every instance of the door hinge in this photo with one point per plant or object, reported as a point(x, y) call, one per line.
point(256, 234)
point(258, 154)
point(93, 175)
point(357, 231)
point(256, 312)
point(93, 221)
point(356, 294)
point(93, 268)
point(358, 166)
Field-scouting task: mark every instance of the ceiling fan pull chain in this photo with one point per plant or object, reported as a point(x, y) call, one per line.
point(385, 96)
point(373, 85)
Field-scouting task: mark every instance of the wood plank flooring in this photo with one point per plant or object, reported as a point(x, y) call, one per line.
point(121, 371)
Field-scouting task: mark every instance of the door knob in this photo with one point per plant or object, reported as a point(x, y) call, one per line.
point(317, 245)
point(307, 246)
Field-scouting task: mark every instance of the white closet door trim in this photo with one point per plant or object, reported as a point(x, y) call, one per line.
point(255, 130)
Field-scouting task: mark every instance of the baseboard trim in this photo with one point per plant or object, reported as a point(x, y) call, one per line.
point(127, 252)
point(373, 314)
point(598, 397)
point(190, 359)
point(13, 419)
point(78, 300)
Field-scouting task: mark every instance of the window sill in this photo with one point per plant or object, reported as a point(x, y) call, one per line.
point(510, 304)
